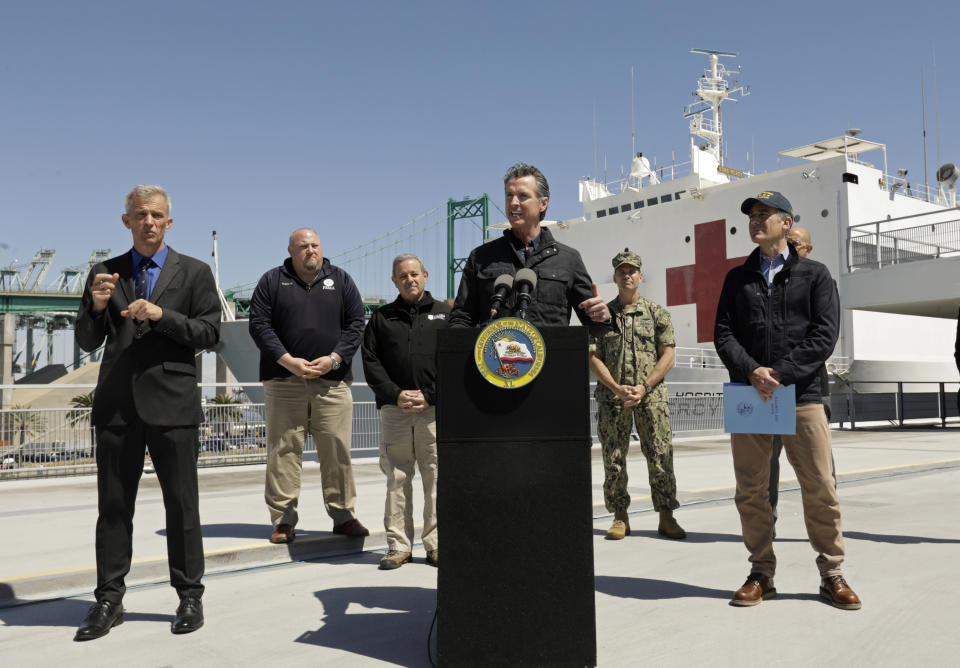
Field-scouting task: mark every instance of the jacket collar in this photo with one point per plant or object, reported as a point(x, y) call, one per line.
point(753, 260)
point(171, 267)
point(287, 268)
point(546, 246)
point(425, 304)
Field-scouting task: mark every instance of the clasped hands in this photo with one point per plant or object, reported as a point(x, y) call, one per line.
point(631, 395)
point(308, 369)
point(412, 401)
point(102, 289)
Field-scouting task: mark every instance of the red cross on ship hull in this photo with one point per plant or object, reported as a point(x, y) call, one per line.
point(700, 283)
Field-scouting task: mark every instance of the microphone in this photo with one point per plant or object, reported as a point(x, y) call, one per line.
point(525, 282)
point(501, 288)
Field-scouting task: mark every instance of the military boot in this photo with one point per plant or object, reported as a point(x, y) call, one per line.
point(669, 527)
point(620, 527)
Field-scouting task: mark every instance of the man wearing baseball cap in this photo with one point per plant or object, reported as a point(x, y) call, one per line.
point(777, 323)
point(630, 360)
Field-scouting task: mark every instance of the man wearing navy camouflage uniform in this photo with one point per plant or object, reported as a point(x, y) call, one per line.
point(629, 361)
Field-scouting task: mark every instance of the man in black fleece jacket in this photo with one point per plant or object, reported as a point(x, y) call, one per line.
point(306, 316)
point(777, 323)
point(399, 362)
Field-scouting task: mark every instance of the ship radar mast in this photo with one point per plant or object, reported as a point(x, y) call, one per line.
point(713, 88)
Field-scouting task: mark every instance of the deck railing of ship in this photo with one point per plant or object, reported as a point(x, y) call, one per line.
point(664, 173)
point(896, 241)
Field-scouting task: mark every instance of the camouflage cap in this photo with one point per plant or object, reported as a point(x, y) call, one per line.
point(627, 256)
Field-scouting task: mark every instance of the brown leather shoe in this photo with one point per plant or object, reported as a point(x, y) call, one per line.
point(835, 589)
point(756, 589)
point(351, 528)
point(618, 530)
point(282, 533)
point(433, 557)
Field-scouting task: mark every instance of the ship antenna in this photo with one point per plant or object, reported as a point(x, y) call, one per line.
point(923, 114)
point(633, 115)
point(713, 89)
point(594, 139)
point(936, 105)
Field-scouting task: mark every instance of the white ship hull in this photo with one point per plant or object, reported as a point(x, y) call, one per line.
point(690, 231)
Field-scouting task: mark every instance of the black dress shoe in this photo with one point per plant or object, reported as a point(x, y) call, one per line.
point(102, 617)
point(189, 616)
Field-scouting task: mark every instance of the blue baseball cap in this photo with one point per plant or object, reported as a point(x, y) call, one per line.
point(772, 199)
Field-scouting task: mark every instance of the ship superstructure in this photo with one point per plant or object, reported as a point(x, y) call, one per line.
point(685, 221)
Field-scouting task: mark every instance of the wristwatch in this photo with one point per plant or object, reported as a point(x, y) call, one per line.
point(334, 363)
point(647, 388)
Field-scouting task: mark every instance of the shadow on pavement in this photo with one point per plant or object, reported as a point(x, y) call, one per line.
point(394, 630)
point(654, 590)
point(695, 536)
point(895, 539)
point(67, 612)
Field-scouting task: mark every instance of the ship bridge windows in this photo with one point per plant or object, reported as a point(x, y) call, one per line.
point(639, 204)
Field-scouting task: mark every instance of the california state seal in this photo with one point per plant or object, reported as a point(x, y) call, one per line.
point(509, 352)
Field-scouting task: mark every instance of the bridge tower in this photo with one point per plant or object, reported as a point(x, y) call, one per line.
point(466, 209)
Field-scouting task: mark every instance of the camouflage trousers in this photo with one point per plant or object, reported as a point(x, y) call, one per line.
point(614, 424)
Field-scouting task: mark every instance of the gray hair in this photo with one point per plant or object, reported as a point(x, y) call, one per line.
point(403, 257)
point(783, 215)
point(146, 192)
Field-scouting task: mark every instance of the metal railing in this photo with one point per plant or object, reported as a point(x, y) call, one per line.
point(886, 401)
point(47, 442)
point(60, 441)
point(664, 173)
point(874, 245)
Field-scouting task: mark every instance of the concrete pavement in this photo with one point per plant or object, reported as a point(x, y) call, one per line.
point(658, 601)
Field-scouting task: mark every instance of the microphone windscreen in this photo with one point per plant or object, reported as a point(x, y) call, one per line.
point(505, 280)
point(526, 275)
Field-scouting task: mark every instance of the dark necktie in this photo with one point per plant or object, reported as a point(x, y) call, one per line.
point(142, 279)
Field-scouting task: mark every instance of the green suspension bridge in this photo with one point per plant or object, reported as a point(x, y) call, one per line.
point(441, 237)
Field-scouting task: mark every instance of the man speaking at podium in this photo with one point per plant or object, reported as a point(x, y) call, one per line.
point(562, 282)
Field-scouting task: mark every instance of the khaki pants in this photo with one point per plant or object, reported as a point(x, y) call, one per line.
point(325, 408)
point(408, 440)
point(809, 453)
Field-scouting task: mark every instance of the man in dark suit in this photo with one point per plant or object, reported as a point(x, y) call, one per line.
point(156, 309)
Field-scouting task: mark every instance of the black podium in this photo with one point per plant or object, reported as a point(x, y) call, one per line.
point(514, 509)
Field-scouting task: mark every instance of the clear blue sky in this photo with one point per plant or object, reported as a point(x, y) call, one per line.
point(353, 118)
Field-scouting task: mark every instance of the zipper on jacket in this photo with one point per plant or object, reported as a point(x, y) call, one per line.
point(769, 336)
